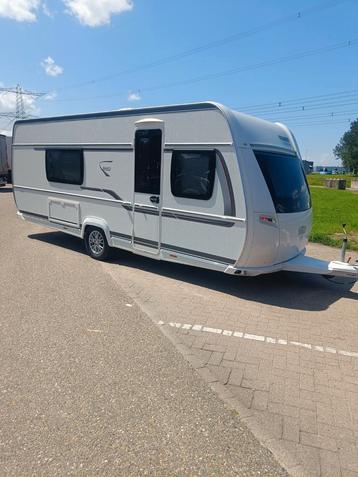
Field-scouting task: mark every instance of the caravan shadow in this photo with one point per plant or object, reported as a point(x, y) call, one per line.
point(4, 190)
point(61, 239)
point(295, 291)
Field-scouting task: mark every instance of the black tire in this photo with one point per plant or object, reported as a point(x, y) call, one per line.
point(96, 243)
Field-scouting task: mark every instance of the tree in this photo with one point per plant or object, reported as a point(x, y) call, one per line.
point(347, 148)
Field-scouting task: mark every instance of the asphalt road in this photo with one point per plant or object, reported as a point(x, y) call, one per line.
point(90, 386)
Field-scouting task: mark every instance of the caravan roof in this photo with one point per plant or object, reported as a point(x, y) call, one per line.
point(245, 129)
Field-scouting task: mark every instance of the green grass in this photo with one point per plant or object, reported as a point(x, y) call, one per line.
point(318, 179)
point(332, 208)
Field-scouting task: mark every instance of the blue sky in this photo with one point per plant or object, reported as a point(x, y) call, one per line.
point(92, 55)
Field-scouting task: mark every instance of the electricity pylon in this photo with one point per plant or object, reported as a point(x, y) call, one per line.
point(20, 112)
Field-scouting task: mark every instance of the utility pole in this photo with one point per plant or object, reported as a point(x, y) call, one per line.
point(20, 93)
point(20, 110)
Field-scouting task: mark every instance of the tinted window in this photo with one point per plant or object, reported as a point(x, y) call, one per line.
point(286, 181)
point(64, 165)
point(148, 155)
point(193, 174)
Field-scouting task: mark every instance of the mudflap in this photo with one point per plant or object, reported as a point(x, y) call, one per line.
point(305, 264)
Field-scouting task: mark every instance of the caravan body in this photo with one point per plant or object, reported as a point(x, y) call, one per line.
point(197, 184)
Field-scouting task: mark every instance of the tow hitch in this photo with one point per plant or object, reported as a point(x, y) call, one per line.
point(337, 268)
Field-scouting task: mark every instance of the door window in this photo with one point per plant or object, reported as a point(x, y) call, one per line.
point(148, 156)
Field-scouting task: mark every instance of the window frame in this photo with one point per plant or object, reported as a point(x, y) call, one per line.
point(212, 173)
point(59, 150)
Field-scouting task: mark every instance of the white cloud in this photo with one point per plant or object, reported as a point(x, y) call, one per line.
point(51, 96)
point(50, 67)
point(134, 96)
point(20, 10)
point(96, 13)
point(47, 11)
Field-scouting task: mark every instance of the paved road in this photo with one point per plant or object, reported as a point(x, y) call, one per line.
point(90, 386)
point(292, 365)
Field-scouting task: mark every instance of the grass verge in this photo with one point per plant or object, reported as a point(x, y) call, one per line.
point(331, 209)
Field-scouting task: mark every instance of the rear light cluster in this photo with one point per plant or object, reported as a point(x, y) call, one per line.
point(268, 219)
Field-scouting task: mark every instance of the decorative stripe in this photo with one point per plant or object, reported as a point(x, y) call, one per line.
point(172, 248)
point(146, 242)
point(121, 236)
point(188, 216)
point(263, 339)
point(70, 194)
point(232, 210)
point(195, 253)
point(145, 209)
point(51, 219)
point(84, 147)
point(39, 216)
point(193, 218)
point(107, 191)
point(169, 147)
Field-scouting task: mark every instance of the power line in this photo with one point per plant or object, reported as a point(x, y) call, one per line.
point(312, 116)
point(256, 66)
point(232, 71)
point(307, 100)
point(324, 123)
point(7, 115)
point(304, 108)
point(216, 43)
point(15, 90)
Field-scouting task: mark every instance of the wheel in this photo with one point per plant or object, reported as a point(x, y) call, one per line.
point(96, 243)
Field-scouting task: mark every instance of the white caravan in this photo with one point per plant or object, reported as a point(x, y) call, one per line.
point(197, 184)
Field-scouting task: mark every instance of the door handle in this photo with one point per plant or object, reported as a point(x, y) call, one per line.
point(154, 199)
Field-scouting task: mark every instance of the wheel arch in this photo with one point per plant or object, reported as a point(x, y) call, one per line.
point(98, 223)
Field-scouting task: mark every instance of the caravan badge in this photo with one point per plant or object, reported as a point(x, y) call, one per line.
point(106, 167)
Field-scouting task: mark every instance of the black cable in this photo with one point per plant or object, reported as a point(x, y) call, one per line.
point(214, 44)
point(233, 71)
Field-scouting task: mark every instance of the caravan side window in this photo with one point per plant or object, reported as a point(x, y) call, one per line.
point(65, 166)
point(193, 174)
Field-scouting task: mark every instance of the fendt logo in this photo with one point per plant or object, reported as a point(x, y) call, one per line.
point(106, 167)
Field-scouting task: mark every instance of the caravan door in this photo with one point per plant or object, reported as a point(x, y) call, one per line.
point(148, 153)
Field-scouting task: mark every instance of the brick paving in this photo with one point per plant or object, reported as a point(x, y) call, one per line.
point(302, 403)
